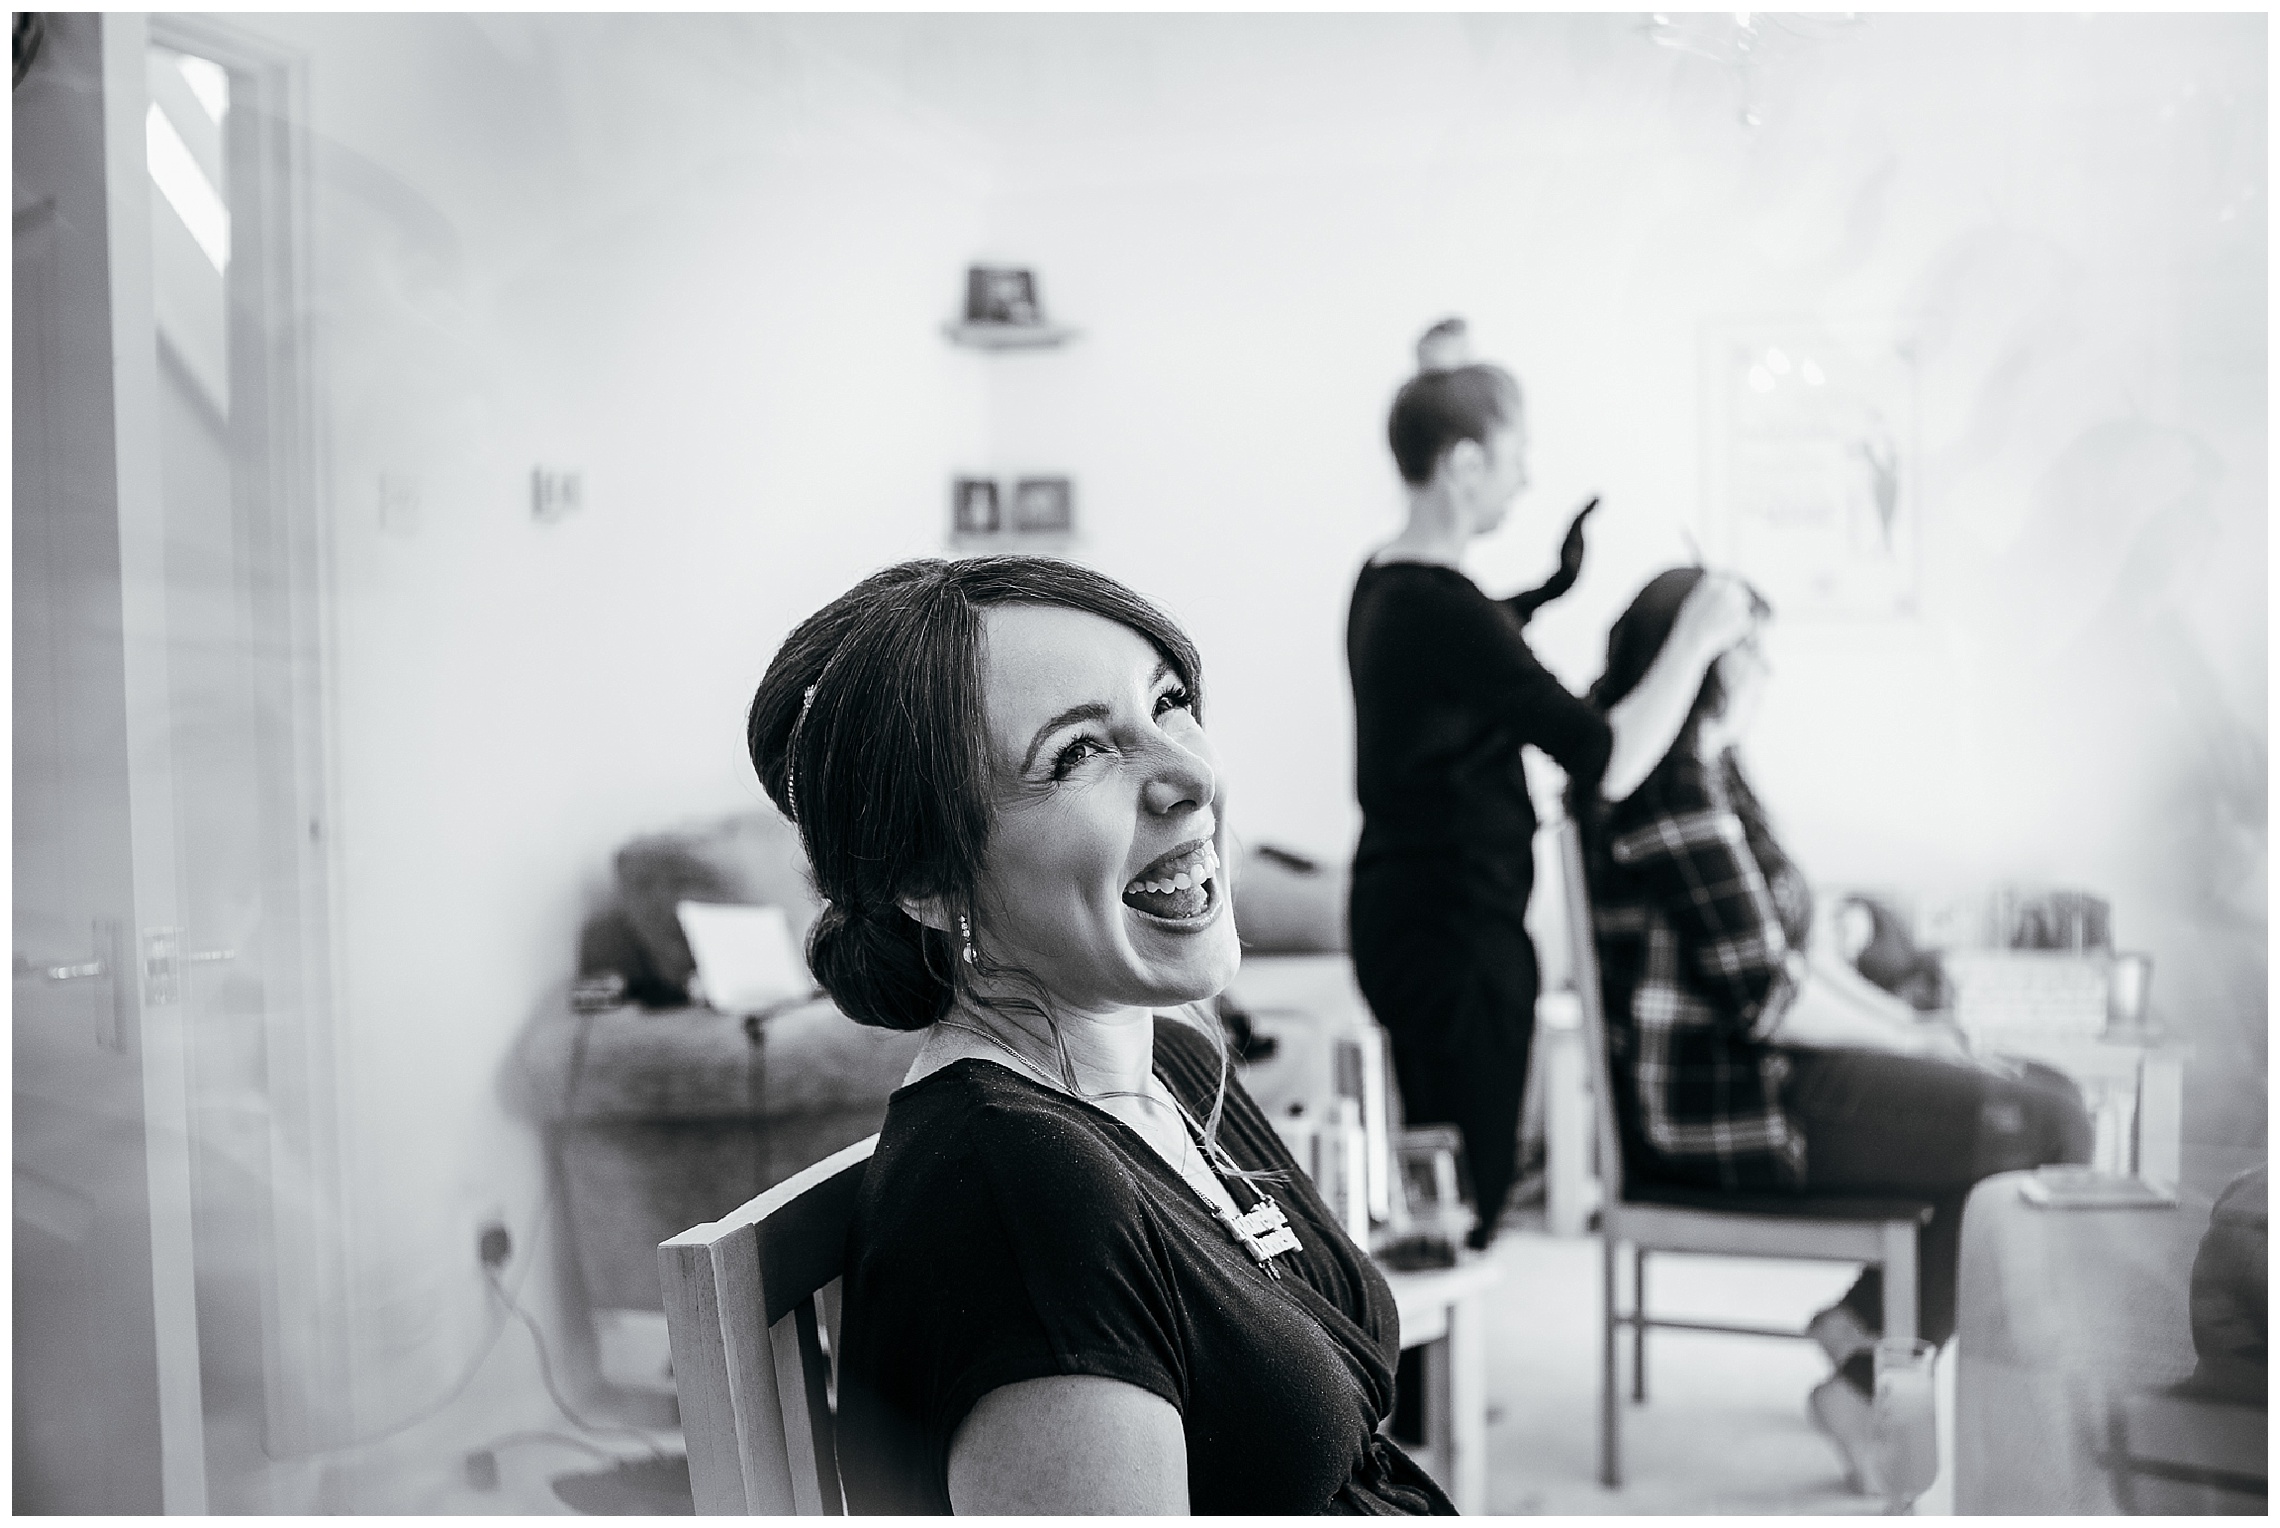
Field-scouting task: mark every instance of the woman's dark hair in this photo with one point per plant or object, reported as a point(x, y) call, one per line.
point(1637, 638)
point(868, 733)
point(1436, 409)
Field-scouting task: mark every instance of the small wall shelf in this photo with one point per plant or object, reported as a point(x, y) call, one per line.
point(1009, 336)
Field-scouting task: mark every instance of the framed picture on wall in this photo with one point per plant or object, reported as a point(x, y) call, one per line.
point(974, 507)
point(1001, 294)
point(1813, 490)
point(1044, 506)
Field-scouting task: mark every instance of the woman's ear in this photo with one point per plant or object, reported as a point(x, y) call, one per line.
point(1463, 462)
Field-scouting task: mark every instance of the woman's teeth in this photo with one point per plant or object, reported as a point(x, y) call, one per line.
point(1179, 890)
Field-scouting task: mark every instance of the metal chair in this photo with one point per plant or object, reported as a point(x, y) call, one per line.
point(1657, 1219)
point(752, 1307)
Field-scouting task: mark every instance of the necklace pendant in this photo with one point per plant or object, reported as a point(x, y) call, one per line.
point(1265, 1233)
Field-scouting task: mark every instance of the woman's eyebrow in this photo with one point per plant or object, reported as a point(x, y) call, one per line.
point(1091, 710)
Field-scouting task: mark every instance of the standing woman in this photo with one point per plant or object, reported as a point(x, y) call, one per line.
point(1446, 694)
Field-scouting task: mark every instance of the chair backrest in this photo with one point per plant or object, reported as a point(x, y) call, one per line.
point(1583, 962)
point(751, 1349)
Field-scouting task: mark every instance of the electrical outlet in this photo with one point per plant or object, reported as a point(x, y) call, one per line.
point(493, 1246)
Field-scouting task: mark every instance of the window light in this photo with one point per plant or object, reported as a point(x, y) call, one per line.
point(186, 188)
point(208, 81)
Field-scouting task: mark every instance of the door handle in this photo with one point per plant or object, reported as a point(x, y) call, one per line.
point(81, 971)
point(164, 960)
point(108, 962)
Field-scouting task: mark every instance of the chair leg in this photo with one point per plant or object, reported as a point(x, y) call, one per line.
point(1900, 1282)
point(1639, 1324)
point(1610, 1414)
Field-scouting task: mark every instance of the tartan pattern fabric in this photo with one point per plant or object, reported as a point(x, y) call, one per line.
point(1696, 910)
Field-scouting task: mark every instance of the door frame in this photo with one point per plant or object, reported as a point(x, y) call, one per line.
point(280, 508)
point(284, 582)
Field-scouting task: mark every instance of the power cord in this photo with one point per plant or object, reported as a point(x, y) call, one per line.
point(546, 1374)
point(559, 1439)
point(510, 1303)
point(436, 1407)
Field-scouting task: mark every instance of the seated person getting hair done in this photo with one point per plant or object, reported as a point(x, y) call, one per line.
point(1446, 694)
point(1748, 1056)
point(1084, 1273)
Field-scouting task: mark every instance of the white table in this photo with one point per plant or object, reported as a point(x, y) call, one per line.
point(2134, 1088)
point(1441, 1313)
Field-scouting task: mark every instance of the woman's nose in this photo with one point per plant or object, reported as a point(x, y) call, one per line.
point(1181, 778)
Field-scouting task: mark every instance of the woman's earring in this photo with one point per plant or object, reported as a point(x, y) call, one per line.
point(966, 933)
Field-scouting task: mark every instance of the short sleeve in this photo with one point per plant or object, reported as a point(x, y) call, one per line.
point(1057, 1271)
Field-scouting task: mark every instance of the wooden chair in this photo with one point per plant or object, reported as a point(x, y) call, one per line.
point(752, 1306)
point(1656, 1219)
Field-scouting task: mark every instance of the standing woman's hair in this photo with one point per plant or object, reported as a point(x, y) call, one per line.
point(1436, 409)
point(1448, 343)
point(869, 733)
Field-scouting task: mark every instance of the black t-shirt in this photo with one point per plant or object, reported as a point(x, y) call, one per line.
point(1445, 694)
point(1008, 1232)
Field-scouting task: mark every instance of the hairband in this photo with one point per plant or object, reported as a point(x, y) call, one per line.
point(792, 758)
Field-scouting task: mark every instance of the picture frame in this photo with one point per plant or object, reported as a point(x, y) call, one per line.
point(1813, 487)
point(1044, 506)
point(974, 507)
point(1002, 294)
point(1431, 1188)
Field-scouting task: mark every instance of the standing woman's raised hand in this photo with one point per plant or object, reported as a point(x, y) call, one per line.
point(1719, 612)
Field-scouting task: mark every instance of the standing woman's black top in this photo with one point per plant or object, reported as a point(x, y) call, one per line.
point(1007, 1231)
point(1446, 692)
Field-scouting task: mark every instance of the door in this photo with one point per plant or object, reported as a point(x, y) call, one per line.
point(106, 1384)
point(175, 1276)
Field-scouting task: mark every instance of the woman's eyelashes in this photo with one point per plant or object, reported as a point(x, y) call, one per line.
point(1086, 745)
point(1075, 754)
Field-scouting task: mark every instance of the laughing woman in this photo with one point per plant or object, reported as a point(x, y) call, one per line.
point(1084, 1274)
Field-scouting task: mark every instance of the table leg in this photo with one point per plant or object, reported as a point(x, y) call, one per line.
point(1439, 1420)
point(1458, 1405)
point(2160, 1119)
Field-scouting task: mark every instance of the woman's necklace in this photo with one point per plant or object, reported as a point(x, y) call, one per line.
point(1262, 1230)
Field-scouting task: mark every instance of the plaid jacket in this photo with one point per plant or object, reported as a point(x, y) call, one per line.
point(1696, 909)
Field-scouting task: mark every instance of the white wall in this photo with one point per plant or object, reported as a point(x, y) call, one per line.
point(703, 261)
point(1252, 217)
point(703, 266)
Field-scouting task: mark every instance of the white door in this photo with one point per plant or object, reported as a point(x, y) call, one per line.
point(174, 1255)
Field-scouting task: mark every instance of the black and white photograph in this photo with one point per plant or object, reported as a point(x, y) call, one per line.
point(1001, 294)
point(1044, 506)
point(1617, 867)
point(974, 507)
